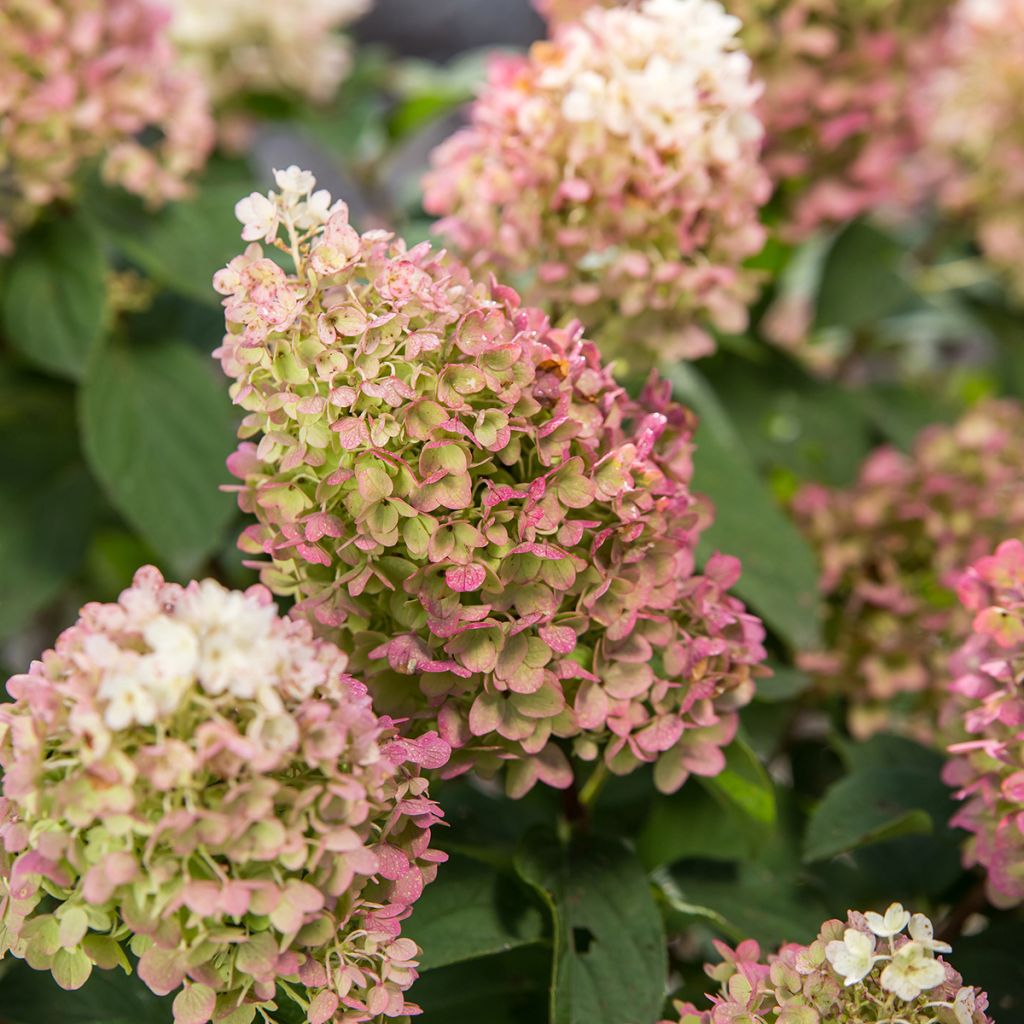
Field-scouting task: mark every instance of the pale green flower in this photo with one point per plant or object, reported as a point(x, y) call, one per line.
point(894, 921)
point(911, 971)
point(854, 957)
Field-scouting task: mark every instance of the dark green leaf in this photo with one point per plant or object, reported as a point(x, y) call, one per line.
point(894, 789)
point(780, 572)
point(108, 997)
point(157, 427)
point(506, 989)
point(609, 959)
point(49, 504)
point(471, 911)
point(55, 300)
point(862, 282)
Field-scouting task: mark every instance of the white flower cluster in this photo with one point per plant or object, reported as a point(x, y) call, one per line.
point(265, 46)
point(675, 77)
point(296, 207)
point(910, 965)
point(221, 640)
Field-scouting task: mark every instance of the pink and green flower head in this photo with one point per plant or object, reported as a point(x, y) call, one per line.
point(194, 781)
point(872, 969)
point(892, 548)
point(969, 104)
point(84, 80)
point(987, 700)
point(461, 496)
point(616, 170)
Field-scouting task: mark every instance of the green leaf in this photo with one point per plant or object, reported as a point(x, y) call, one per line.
point(691, 823)
point(609, 943)
point(186, 243)
point(471, 911)
point(55, 305)
point(49, 505)
point(744, 785)
point(506, 989)
point(157, 427)
point(894, 789)
point(780, 572)
point(108, 997)
point(862, 282)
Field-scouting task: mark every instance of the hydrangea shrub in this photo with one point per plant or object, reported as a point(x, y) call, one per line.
point(892, 548)
point(872, 969)
point(987, 696)
point(461, 496)
point(84, 79)
point(257, 47)
point(190, 778)
point(616, 169)
point(969, 102)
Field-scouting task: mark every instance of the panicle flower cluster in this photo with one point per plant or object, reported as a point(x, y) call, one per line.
point(970, 105)
point(874, 969)
point(194, 779)
point(838, 107)
point(463, 497)
point(892, 548)
point(81, 79)
point(618, 165)
point(987, 695)
point(261, 47)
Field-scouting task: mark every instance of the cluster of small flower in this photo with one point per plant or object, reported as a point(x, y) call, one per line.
point(892, 549)
point(246, 47)
point(969, 105)
point(846, 976)
point(461, 495)
point(620, 162)
point(987, 697)
point(194, 779)
point(81, 80)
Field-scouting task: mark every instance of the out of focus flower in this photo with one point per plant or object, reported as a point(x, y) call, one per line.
point(194, 779)
point(892, 548)
point(970, 105)
point(266, 47)
point(987, 695)
point(616, 168)
point(86, 79)
point(841, 978)
point(840, 83)
point(463, 497)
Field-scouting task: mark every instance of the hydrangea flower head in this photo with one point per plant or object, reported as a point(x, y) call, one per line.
point(969, 104)
point(892, 548)
point(839, 107)
point(84, 79)
point(262, 47)
point(616, 167)
point(861, 971)
point(461, 495)
point(987, 696)
point(191, 778)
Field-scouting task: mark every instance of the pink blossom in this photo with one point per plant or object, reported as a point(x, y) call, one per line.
point(892, 549)
point(82, 81)
point(188, 774)
point(511, 536)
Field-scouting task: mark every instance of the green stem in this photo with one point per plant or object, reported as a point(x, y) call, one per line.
point(588, 794)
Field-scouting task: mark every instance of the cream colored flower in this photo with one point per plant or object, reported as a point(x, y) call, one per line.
point(894, 921)
point(921, 931)
point(853, 957)
point(912, 971)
